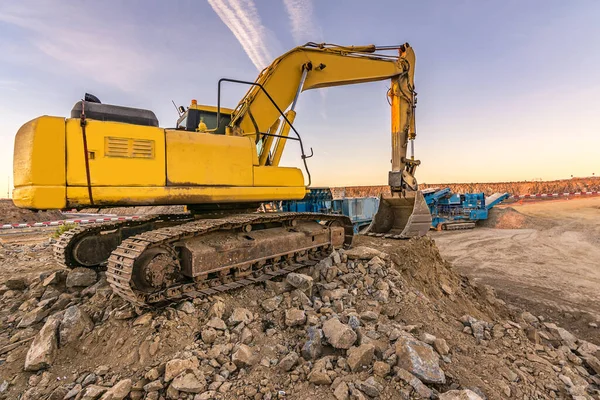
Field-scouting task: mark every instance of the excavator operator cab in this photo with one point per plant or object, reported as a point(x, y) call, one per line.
point(200, 118)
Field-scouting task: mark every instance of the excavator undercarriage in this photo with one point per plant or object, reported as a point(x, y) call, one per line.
point(206, 256)
point(90, 246)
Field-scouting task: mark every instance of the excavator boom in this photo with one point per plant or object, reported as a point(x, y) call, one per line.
point(316, 66)
point(403, 212)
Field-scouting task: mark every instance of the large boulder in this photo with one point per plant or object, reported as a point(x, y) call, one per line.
point(216, 323)
point(289, 361)
point(55, 278)
point(43, 348)
point(587, 348)
point(75, 323)
point(339, 335)
point(300, 281)
point(81, 277)
point(460, 395)
point(416, 384)
point(272, 303)
point(241, 315)
point(92, 392)
point(365, 253)
point(33, 316)
point(566, 337)
point(189, 383)
point(371, 387)
point(313, 348)
point(119, 391)
point(341, 391)
point(593, 363)
point(177, 366)
point(243, 356)
point(319, 377)
point(217, 309)
point(16, 284)
point(419, 359)
point(360, 357)
point(295, 317)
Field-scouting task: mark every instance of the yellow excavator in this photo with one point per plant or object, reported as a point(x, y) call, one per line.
point(222, 164)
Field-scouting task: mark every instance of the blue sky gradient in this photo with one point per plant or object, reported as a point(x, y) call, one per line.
point(507, 90)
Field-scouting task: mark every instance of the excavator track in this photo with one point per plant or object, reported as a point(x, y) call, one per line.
point(121, 274)
point(64, 247)
point(458, 226)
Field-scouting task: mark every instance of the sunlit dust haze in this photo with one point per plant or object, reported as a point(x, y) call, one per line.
point(506, 90)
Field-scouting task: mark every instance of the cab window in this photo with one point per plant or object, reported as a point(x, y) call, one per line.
point(190, 120)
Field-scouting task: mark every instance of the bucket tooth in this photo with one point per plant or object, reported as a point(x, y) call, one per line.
point(401, 216)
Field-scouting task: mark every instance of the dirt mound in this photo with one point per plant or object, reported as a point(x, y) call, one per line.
point(386, 319)
point(11, 214)
point(421, 264)
point(509, 218)
point(143, 210)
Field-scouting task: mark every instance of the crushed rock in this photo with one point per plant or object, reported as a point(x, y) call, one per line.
point(386, 319)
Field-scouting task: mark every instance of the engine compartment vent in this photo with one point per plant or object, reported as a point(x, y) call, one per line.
point(128, 148)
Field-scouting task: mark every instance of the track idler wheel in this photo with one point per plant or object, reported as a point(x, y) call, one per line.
point(95, 250)
point(157, 269)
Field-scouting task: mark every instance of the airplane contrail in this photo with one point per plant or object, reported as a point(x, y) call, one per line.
point(301, 15)
point(243, 20)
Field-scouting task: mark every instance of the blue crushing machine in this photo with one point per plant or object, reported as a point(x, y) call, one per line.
point(451, 211)
point(320, 200)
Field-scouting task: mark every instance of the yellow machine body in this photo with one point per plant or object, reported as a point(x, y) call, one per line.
point(224, 164)
point(140, 165)
point(222, 158)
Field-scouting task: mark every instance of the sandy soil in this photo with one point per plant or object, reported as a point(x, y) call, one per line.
point(547, 262)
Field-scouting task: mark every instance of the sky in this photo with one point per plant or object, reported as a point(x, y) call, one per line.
point(507, 90)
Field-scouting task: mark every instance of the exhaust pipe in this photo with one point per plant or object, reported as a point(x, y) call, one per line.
point(401, 216)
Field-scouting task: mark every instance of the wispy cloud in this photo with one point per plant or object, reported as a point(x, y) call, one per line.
point(78, 43)
point(10, 84)
point(302, 18)
point(242, 18)
point(305, 29)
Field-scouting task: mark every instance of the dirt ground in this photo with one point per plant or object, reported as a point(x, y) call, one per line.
point(544, 257)
point(9, 214)
point(26, 254)
point(415, 295)
point(389, 290)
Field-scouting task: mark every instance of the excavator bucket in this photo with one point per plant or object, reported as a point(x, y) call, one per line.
point(401, 216)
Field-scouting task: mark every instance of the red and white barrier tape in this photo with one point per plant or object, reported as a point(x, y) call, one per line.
point(106, 219)
point(67, 221)
point(540, 195)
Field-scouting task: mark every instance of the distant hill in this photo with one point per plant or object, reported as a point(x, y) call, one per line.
point(514, 188)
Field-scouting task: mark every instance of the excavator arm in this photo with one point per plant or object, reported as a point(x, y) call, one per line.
point(314, 66)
